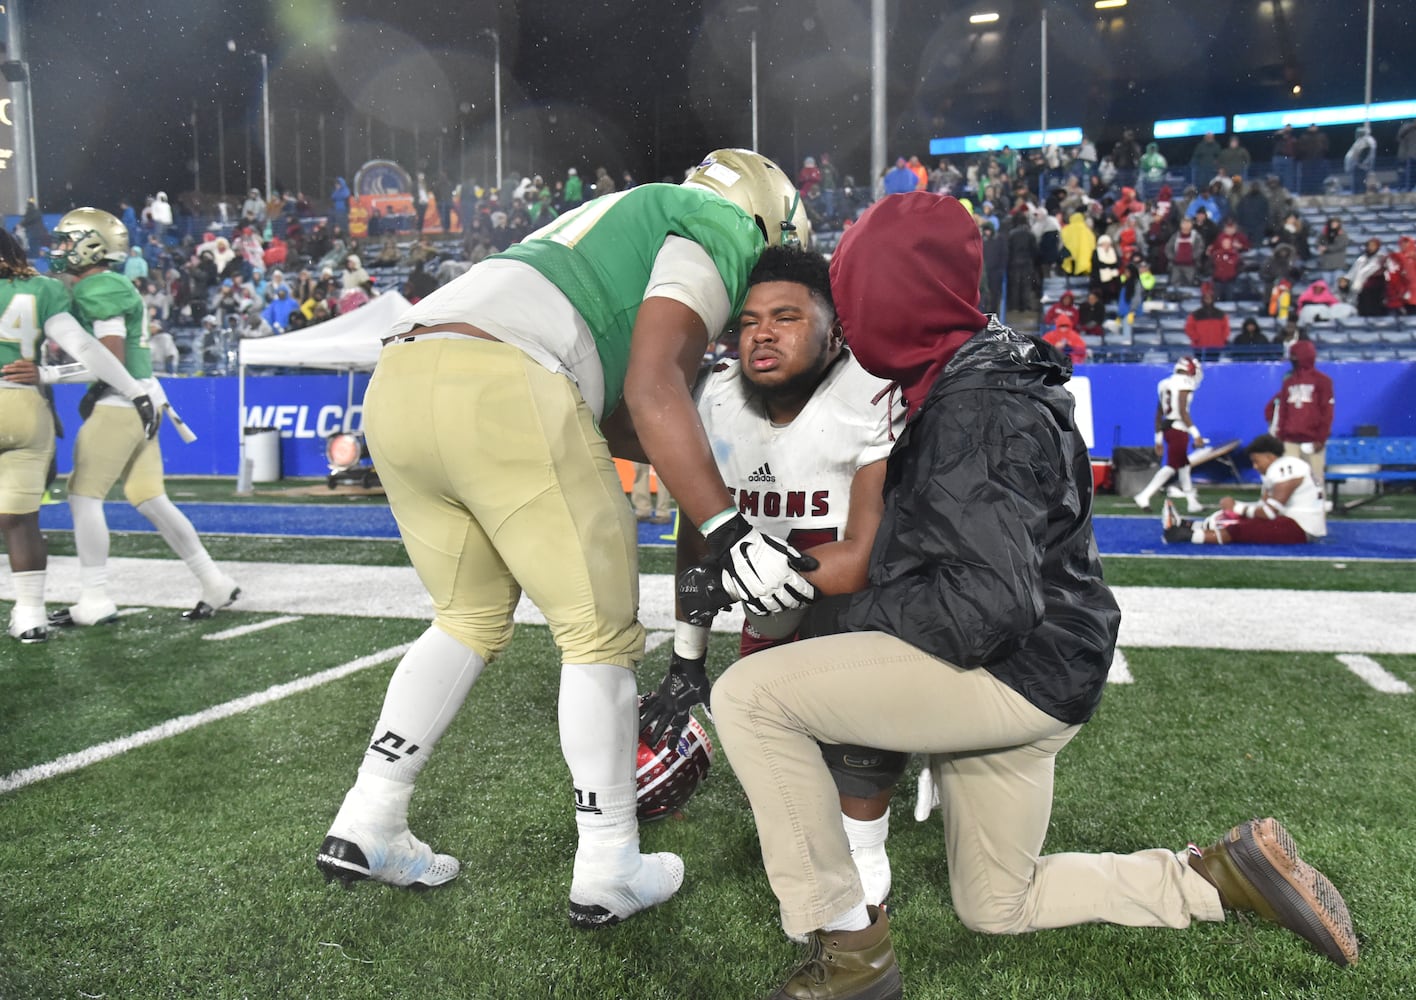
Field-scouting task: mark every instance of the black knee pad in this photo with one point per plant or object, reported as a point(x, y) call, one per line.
point(863, 772)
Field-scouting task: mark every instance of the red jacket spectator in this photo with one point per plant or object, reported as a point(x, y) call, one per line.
point(1225, 252)
point(1065, 307)
point(1126, 204)
point(1401, 276)
point(1301, 411)
point(275, 252)
point(809, 176)
point(1067, 340)
point(1207, 326)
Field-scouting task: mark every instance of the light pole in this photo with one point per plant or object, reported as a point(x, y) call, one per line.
point(496, 98)
point(265, 107)
point(752, 53)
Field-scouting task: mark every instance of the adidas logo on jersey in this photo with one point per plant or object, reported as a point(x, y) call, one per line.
point(762, 474)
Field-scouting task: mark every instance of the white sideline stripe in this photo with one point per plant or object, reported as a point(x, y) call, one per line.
point(655, 640)
point(1374, 674)
point(1120, 670)
point(183, 723)
point(240, 630)
point(125, 612)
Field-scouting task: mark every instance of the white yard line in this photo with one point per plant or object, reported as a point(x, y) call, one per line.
point(655, 640)
point(1374, 674)
point(240, 630)
point(1120, 670)
point(181, 724)
point(128, 612)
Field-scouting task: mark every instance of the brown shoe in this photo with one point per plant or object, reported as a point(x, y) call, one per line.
point(1256, 869)
point(847, 965)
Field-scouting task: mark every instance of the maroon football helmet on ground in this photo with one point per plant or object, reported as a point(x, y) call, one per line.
point(667, 776)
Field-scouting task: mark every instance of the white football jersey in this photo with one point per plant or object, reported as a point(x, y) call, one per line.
point(1169, 389)
point(1306, 504)
point(794, 481)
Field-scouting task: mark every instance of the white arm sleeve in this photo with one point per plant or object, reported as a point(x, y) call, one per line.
point(684, 272)
point(65, 331)
point(56, 374)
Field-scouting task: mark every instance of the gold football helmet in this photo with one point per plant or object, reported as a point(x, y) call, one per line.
point(85, 237)
point(759, 187)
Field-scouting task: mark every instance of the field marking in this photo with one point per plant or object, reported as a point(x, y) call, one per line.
point(240, 630)
point(1120, 670)
point(1374, 674)
point(173, 727)
point(128, 612)
point(656, 639)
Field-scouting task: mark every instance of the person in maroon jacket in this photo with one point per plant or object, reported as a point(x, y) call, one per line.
point(1207, 326)
point(1225, 256)
point(1300, 413)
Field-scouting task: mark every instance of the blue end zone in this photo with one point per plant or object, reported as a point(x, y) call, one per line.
point(1120, 536)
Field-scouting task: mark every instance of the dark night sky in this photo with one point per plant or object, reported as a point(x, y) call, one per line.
point(646, 85)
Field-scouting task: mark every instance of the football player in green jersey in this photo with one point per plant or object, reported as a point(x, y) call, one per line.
point(33, 307)
point(112, 444)
point(492, 416)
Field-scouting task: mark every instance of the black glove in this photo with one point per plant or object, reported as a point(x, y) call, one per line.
point(148, 414)
point(759, 570)
point(701, 594)
point(665, 712)
point(86, 404)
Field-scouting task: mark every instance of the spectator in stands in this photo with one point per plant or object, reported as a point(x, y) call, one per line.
point(808, 177)
point(1080, 243)
point(1316, 304)
point(442, 197)
point(1332, 250)
point(1294, 232)
point(1126, 158)
point(162, 345)
point(1312, 160)
point(574, 192)
point(1251, 212)
point(1234, 159)
point(1153, 165)
point(253, 209)
point(1066, 339)
point(1226, 258)
point(604, 184)
point(1281, 305)
point(1250, 334)
point(1064, 308)
point(1280, 203)
point(1360, 159)
point(420, 284)
point(1211, 201)
point(1184, 252)
point(1022, 266)
point(1106, 270)
point(1300, 413)
point(1208, 230)
point(1204, 159)
point(274, 285)
point(253, 324)
point(224, 257)
point(1208, 326)
point(830, 183)
point(339, 200)
point(1406, 154)
point(900, 178)
point(1091, 315)
point(1285, 149)
point(1367, 279)
point(995, 267)
point(135, 267)
point(1403, 261)
point(160, 215)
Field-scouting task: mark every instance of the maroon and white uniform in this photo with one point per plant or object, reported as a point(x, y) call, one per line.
point(1176, 429)
point(794, 481)
point(1300, 519)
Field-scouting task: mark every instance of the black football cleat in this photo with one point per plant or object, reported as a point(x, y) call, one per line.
point(31, 637)
point(205, 610)
point(96, 613)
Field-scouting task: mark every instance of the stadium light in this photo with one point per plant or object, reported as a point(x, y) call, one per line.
point(1108, 4)
point(987, 18)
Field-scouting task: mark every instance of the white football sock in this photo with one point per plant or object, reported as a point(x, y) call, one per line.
point(29, 589)
point(1186, 485)
point(857, 918)
point(867, 839)
point(424, 694)
point(1161, 477)
point(177, 531)
point(91, 541)
point(599, 732)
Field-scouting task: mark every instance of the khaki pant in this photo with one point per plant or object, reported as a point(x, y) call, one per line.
point(1317, 459)
point(111, 446)
point(639, 495)
point(500, 480)
point(992, 756)
point(26, 447)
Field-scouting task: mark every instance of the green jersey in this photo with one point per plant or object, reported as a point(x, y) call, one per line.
point(601, 256)
point(108, 295)
point(25, 305)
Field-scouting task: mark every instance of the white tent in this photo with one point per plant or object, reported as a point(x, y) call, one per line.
point(348, 343)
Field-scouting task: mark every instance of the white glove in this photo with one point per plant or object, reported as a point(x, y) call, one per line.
point(926, 795)
point(759, 570)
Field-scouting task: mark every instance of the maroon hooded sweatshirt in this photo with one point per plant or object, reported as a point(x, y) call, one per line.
point(1305, 402)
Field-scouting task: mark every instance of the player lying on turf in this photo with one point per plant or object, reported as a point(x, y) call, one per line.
point(1289, 511)
point(800, 433)
point(983, 638)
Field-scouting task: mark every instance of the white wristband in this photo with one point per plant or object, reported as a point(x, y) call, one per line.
point(690, 641)
point(1194, 432)
point(726, 514)
point(1159, 436)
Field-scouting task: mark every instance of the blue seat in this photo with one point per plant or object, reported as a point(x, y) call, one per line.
point(1381, 354)
point(1351, 322)
point(1398, 335)
point(1365, 336)
point(1380, 322)
point(1174, 338)
point(1332, 335)
point(1145, 338)
point(1406, 352)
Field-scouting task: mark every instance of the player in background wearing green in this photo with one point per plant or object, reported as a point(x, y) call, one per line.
point(112, 444)
point(33, 307)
